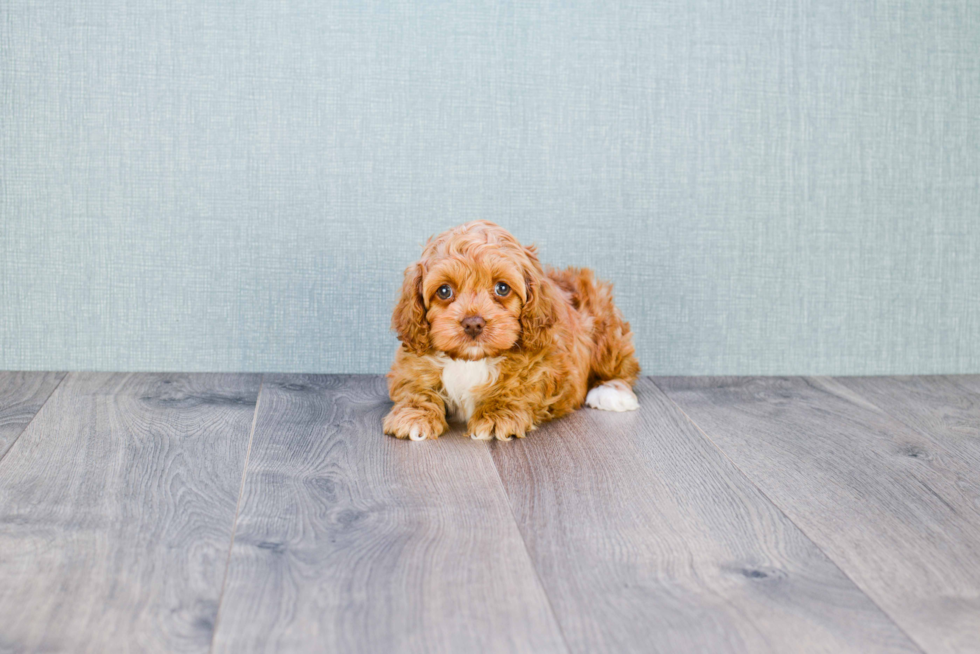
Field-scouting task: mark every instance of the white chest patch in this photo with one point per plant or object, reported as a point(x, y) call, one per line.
point(460, 380)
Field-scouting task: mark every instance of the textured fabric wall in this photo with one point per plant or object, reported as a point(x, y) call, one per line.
point(775, 187)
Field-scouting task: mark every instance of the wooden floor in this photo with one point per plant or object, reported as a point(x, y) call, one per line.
point(247, 513)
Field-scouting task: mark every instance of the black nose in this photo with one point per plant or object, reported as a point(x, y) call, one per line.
point(473, 325)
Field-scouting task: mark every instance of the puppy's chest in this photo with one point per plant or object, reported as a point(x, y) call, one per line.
point(462, 383)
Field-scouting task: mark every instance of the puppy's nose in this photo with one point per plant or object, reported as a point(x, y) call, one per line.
point(473, 325)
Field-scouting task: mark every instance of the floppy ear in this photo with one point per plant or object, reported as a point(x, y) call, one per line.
point(540, 310)
point(408, 319)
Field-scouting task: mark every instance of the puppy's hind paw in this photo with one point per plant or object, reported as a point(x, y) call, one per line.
point(613, 395)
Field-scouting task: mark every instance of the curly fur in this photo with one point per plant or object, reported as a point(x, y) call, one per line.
point(556, 336)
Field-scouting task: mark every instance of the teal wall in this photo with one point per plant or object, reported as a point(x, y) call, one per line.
point(774, 187)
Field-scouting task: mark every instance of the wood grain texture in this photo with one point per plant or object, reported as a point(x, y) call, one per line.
point(350, 541)
point(969, 382)
point(942, 409)
point(116, 511)
point(875, 495)
point(647, 540)
point(21, 397)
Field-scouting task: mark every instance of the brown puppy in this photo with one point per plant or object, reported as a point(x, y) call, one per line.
point(489, 337)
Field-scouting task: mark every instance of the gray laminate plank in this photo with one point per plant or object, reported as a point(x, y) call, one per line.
point(21, 397)
point(648, 540)
point(351, 541)
point(864, 487)
point(116, 511)
point(969, 382)
point(941, 408)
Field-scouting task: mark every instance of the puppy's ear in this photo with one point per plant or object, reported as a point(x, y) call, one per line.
point(408, 319)
point(540, 311)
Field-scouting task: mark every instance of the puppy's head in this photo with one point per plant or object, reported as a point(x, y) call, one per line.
point(475, 293)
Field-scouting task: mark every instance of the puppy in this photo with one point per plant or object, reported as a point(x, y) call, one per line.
point(489, 337)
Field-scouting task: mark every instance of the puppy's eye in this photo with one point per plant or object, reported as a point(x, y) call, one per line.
point(444, 292)
point(501, 289)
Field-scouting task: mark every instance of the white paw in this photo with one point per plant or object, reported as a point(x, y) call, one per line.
point(612, 396)
point(416, 434)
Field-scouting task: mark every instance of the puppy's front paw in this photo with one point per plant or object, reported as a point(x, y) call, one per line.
point(416, 423)
point(503, 427)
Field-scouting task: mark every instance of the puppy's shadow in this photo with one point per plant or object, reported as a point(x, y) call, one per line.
point(457, 430)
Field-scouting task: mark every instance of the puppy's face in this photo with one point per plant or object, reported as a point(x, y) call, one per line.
point(473, 305)
point(473, 294)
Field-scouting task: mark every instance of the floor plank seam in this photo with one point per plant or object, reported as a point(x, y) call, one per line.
point(238, 507)
point(13, 443)
point(784, 514)
point(527, 552)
